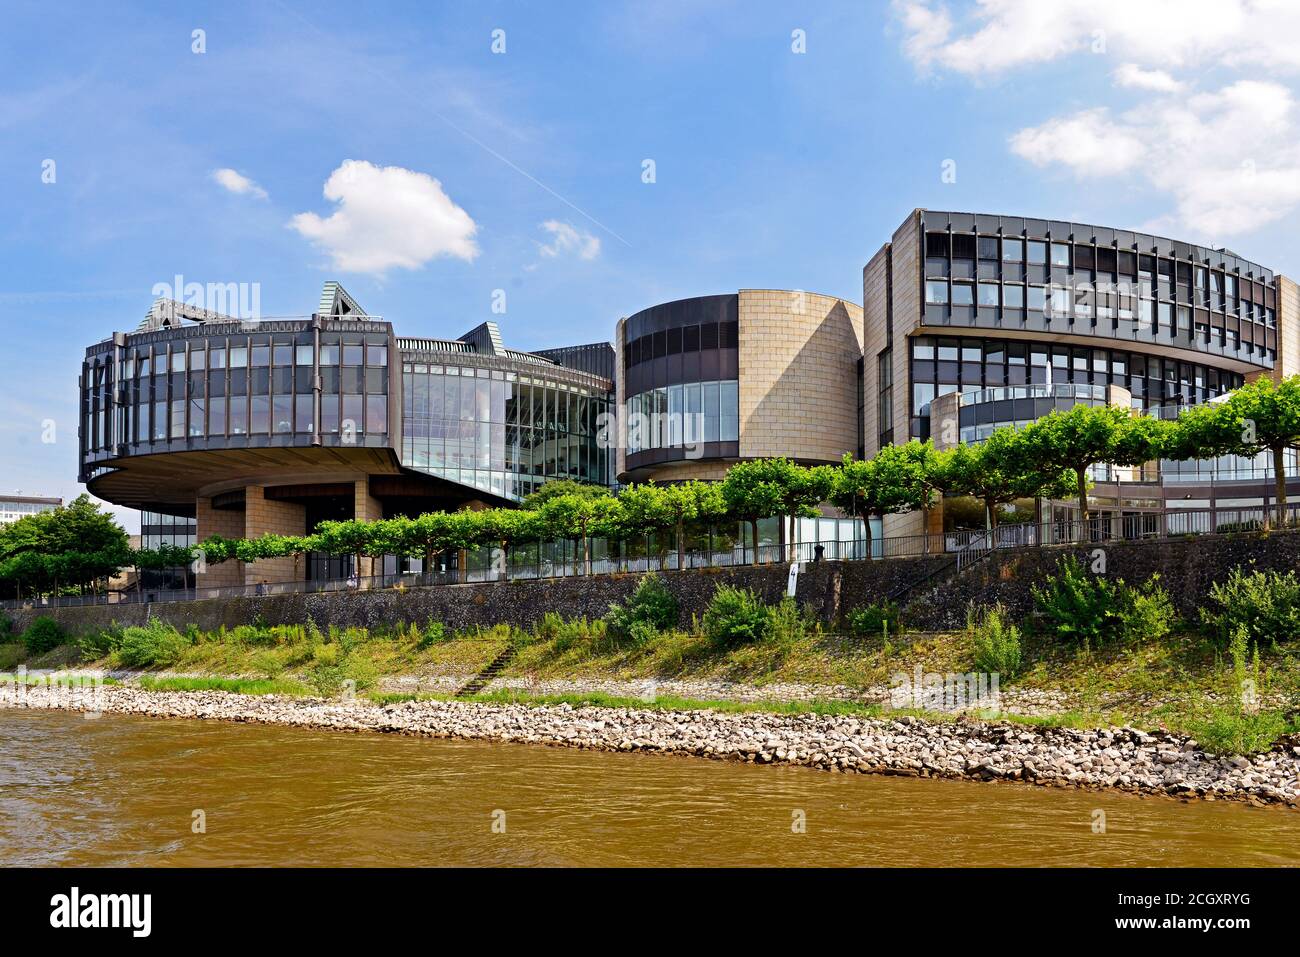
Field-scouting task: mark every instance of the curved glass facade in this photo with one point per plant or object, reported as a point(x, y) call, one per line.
point(236, 385)
point(940, 365)
point(980, 413)
point(684, 415)
point(681, 369)
point(501, 426)
point(1075, 279)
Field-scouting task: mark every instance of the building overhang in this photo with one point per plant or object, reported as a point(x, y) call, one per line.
point(170, 482)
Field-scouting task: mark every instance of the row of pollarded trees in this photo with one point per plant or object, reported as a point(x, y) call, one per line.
point(1049, 458)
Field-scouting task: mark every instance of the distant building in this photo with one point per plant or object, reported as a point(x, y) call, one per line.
point(14, 507)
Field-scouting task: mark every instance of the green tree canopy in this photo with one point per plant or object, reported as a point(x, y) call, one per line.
point(1259, 417)
point(992, 472)
point(1084, 436)
point(756, 489)
point(559, 487)
point(899, 478)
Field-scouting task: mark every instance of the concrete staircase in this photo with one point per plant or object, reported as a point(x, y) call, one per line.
point(973, 554)
point(484, 677)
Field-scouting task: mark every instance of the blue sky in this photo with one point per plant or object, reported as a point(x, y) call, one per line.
point(772, 168)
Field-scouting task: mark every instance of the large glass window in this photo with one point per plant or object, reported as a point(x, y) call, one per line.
point(942, 365)
point(678, 414)
point(488, 428)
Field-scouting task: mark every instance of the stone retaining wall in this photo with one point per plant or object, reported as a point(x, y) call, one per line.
point(827, 590)
point(1187, 568)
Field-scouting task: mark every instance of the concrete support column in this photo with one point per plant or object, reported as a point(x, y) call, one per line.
point(263, 516)
point(945, 432)
point(227, 523)
point(365, 508)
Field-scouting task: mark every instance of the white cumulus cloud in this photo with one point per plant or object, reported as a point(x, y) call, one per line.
point(237, 182)
point(1158, 81)
point(1088, 142)
point(387, 217)
point(567, 240)
point(1003, 34)
point(1230, 160)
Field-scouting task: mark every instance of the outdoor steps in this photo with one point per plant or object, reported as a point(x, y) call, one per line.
point(484, 677)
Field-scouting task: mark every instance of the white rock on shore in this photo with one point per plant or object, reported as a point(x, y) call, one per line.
point(1122, 758)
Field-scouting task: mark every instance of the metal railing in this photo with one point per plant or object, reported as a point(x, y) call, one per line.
point(966, 548)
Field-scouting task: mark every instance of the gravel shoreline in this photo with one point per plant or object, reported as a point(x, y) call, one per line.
point(1125, 759)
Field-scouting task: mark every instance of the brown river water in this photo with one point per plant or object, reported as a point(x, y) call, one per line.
point(124, 791)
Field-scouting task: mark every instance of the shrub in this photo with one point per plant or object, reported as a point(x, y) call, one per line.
point(1082, 608)
point(1265, 604)
point(98, 644)
point(567, 634)
point(1227, 729)
point(1092, 610)
point(153, 644)
point(327, 679)
point(11, 654)
point(313, 632)
point(652, 606)
point(325, 654)
point(787, 623)
point(268, 663)
point(995, 640)
point(735, 616)
point(873, 619)
point(1148, 613)
point(434, 633)
point(550, 626)
point(639, 633)
point(330, 679)
point(42, 635)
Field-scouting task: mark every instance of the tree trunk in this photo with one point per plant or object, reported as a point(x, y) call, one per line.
point(1081, 477)
point(753, 528)
point(681, 545)
point(1279, 477)
point(991, 507)
point(866, 524)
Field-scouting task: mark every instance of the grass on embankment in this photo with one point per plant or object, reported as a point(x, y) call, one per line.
point(255, 686)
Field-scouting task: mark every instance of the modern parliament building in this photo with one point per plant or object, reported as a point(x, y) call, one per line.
point(215, 425)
